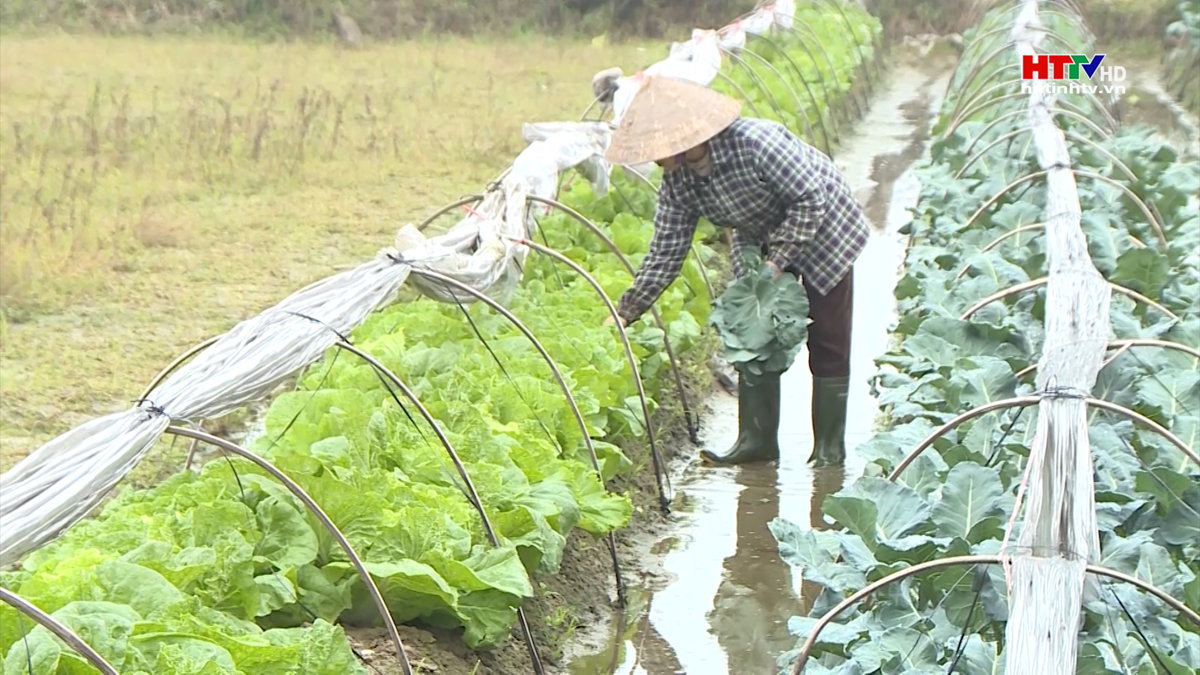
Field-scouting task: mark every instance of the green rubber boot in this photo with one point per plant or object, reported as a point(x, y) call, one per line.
point(829, 420)
point(758, 422)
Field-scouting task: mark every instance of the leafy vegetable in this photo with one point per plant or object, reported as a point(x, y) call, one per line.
point(957, 497)
point(762, 321)
point(221, 570)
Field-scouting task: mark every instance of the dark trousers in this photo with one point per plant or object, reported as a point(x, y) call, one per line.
point(829, 332)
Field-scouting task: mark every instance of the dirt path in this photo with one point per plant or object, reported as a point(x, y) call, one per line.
point(713, 595)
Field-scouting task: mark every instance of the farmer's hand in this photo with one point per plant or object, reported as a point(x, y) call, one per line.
point(775, 271)
point(608, 321)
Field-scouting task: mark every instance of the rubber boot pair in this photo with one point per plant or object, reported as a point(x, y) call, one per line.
point(758, 421)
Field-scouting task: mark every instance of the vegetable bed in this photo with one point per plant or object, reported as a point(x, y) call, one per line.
point(182, 575)
point(956, 499)
point(221, 570)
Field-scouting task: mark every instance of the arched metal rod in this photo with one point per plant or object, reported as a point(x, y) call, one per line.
point(1135, 416)
point(983, 87)
point(1025, 228)
point(828, 618)
point(796, 67)
point(853, 95)
point(758, 81)
point(1154, 224)
point(1015, 231)
point(742, 92)
point(1023, 129)
point(1091, 143)
point(1150, 206)
point(1149, 342)
point(59, 629)
point(981, 39)
point(472, 493)
point(965, 103)
point(1069, 104)
point(803, 80)
point(808, 128)
point(1034, 399)
point(659, 466)
point(162, 374)
point(1016, 402)
point(583, 116)
point(166, 371)
point(690, 417)
point(689, 414)
point(1122, 345)
point(1013, 113)
point(664, 498)
point(965, 84)
point(1070, 134)
point(801, 40)
point(469, 199)
point(803, 43)
point(980, 107)
point(297, 491)
point(858, 47)
point(1041, 281)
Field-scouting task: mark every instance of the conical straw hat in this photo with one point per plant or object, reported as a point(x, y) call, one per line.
point(667, 116)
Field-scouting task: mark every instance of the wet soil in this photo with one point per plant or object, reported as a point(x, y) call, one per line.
point(712, 595)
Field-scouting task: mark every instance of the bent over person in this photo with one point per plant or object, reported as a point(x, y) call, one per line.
point(784, 200)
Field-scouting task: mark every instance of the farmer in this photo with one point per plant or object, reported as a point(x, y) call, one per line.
point(780, 196)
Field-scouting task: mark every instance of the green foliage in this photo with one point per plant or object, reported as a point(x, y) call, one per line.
point(762, 321)
point(230, 547)
point(799, 81)
point(957, 497)
point(223, 571)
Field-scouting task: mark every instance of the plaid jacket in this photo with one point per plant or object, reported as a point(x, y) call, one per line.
point(778, 194)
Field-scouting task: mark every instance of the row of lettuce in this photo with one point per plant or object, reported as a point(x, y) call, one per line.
point(221, 570)
point(956, 499)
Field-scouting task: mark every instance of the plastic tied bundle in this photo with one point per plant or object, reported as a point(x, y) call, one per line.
point(699, 59)
point(62, 481)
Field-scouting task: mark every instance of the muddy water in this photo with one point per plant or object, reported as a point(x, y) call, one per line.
point(714, 596)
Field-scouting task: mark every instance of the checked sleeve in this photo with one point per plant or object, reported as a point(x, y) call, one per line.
point(674, 226)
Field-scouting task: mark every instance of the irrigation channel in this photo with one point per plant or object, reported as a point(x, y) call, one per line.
point(713, 595)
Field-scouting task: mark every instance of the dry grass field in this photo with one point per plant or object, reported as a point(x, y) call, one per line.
point(153, 192)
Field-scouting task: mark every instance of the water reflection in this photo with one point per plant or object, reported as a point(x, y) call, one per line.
point(826, 480)
point(754, 601)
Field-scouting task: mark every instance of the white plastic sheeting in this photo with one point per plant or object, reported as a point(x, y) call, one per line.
point(699, 59)
point(61, 482)
point(1046, 572)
